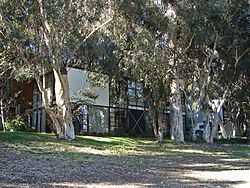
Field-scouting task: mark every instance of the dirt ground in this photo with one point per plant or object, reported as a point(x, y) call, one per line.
point(19, 169)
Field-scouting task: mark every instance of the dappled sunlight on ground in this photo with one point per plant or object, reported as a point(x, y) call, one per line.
point(232, 160)
point(200, 164)
point(33, 160)
point(100, 185)
point(116, 140)
point(238, 178)
point(101, 139)
point(190, 151)
point(87, 150)
point(78, 185)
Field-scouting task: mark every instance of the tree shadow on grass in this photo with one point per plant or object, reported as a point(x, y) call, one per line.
point(149, 165)
point(66, 169)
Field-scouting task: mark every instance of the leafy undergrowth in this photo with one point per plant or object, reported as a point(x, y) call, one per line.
point(85, 146)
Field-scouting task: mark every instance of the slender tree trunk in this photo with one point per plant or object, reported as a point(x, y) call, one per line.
point(153, 123)
point(248, 129)
point(215, 126)
point(176, 119)
point(4, 93)
point(189, 103)
point(194, 136)
point(207, 128)
point(156, 122)
point(203, 100)
point(217, 106)
point(216, 119)
point(223, 130)
point(159, 122)
point(2, 115)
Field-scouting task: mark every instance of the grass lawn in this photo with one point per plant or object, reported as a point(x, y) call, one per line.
point(44, 143)
point(125, 158)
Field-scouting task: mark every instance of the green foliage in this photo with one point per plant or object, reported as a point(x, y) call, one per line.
point(16, 124)
point(134, 45)
point(38, 35)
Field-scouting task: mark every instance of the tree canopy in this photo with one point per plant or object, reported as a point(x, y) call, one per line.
point(189, 48)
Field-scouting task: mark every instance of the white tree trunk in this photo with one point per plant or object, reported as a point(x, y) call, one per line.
point(210, 130)
point(61, 114)
point(64, 121)
point(216, 121)
point(176, 119)
point(211, 134)
point(203, 100)
point(2, 115)
point(207, 128)
point(223, 130)
point(217, 106)
point(194, 136)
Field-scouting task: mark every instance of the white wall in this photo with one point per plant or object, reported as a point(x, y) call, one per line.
point(78, 80)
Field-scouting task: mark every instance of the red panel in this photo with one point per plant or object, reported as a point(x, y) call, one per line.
point(24, 88)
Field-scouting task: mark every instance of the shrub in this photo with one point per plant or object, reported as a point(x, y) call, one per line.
point(16, 124)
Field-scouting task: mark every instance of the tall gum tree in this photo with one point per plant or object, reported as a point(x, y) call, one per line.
point(217, 46)
point(228, 52)
point(137, 34)
point(46, 36)
point(203, 55)
point(151, 59)
point(176, 119)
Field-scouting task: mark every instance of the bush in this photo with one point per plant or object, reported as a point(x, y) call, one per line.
point(16, 124)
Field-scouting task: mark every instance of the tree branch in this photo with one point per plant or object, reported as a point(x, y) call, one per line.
point(45, 28)
point(189, 44)
point(92, 32)
point(66, 17)
point(95, 29)
point(238, 58)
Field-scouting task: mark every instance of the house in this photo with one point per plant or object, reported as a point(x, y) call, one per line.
point(18, 96)
point(119, 108)
point(113, 111)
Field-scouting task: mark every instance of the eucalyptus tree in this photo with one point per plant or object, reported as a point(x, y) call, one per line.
point(137, 34)
point(47, 36)
point(236, 43)
point(148, 53)
point(232, 50)
point(195, 34)
point(216, 47)
point(173, 52)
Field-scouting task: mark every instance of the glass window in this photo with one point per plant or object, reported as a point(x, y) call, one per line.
point(81, 119)
point(98, 119)
point(135, 94)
